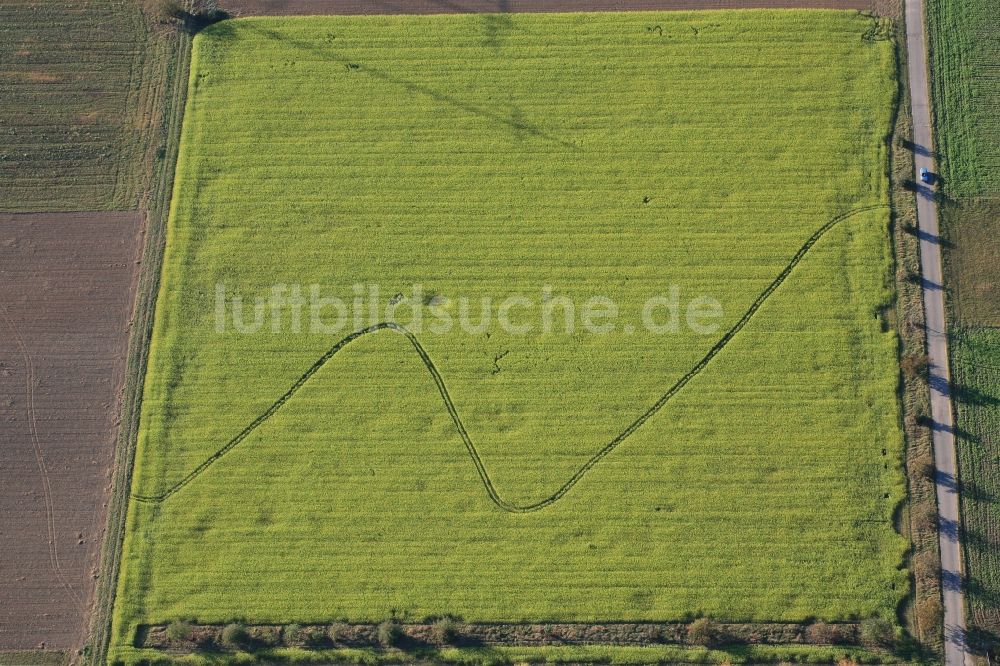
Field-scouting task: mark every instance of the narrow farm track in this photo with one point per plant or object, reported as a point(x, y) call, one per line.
point(484, 476)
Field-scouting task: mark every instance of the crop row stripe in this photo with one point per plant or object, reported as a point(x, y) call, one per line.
point(470, 446)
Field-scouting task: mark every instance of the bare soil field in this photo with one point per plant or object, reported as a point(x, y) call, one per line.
point(361, 7)
point(66, 295)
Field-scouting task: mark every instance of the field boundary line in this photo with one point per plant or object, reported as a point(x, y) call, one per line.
point(155, 204)
point(470, 446)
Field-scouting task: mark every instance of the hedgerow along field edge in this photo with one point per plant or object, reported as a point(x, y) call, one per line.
point(485, 156)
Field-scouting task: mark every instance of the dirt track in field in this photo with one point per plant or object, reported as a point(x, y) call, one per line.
point(362, 7)
point(66, 292)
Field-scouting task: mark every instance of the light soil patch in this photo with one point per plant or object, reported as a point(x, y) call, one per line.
point(973, 228)
point(66, 293)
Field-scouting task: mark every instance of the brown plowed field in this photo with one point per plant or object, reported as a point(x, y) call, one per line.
point(360, 7)
point(66, 292)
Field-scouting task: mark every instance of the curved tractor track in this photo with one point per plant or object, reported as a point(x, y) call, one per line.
point(470, 446)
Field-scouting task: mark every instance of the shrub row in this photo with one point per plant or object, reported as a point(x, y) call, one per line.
point(235, 635)
point(872, 633)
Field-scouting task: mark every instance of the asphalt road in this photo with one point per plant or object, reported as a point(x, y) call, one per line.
point(937, 343)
